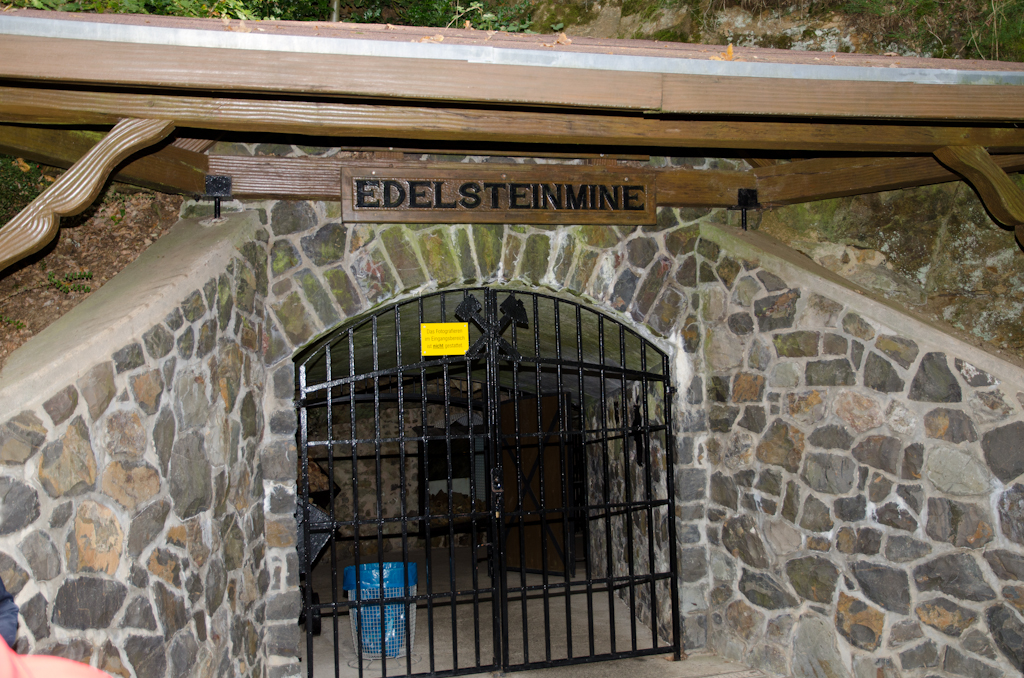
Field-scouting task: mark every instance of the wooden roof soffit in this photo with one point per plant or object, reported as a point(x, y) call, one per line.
point(1002, 197)
point(76, 189)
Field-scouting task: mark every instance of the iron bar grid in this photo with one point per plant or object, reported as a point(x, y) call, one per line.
point(535, 413)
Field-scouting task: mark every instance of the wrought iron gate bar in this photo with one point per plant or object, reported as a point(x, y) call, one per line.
point(523, 397)
point(612, 370)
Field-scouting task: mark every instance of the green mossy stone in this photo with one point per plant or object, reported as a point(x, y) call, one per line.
point(464, 252)
point(403, 256)
point(327, 245)
point(535, 258)
point(283, 256)
point(346, 294)
point(487, 241)
point(437, 255)
point(295, 321)
point(601, 237)
point(318, 298)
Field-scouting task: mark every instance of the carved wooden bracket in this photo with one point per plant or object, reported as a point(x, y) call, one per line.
point(76, 189)
point(1003, 198)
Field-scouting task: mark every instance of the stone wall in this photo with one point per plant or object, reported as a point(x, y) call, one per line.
point(323, 272)
point(132, 520)
point(864, 478)
point(838, 465)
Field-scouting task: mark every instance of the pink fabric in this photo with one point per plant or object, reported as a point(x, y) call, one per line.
point(13, 665)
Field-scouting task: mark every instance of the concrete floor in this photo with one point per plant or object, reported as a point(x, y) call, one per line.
point(545, 636)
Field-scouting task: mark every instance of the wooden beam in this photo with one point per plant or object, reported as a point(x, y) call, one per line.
point(320, 179)
point(41, 106)
point(702, 188)
point(170, 170)
point(717, 95)
point(244, 70)
point(283, 178)
point(821, 178)
point(1002, 197)
point(75, 190)
point(335, 75)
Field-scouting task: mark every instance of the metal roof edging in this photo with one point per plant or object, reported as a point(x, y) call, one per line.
point(152, 35)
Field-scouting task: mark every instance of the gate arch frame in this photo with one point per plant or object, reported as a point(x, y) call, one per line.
point(636, 330)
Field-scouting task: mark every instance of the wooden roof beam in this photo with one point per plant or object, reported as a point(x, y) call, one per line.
point(40, 106)
point(1002, 197)
point(76, 189)
point(821, 178)
point(172, 169)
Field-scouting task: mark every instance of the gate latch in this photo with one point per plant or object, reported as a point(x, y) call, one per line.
point(497, 491)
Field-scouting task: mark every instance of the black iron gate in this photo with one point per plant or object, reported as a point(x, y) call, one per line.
point(527, 481)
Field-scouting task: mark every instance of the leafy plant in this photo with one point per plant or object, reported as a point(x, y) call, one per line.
point(8, 320)
point(68, 282)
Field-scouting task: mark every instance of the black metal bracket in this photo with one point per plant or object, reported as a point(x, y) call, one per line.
point(746, 199)
point(217, 186)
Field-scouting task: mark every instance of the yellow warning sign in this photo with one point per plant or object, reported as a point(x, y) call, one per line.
point(444, 338)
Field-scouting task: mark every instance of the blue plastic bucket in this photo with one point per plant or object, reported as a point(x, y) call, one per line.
point(367, 618)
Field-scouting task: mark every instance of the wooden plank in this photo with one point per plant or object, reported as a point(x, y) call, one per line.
point(169, 170)
point(422, 193)
point(716, 95)
point(34, 226)
point(324, 118)
point(234, 70)
point(229, 70)
point(702, 188)
point(822, 178)
point(283, 178)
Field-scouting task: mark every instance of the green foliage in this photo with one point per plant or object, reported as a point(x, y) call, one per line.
point(499, 15)
point(68, 282)
point(974, 29)
point(20, 183)
point(8, 320)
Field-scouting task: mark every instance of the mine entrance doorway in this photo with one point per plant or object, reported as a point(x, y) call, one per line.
point(520, 492)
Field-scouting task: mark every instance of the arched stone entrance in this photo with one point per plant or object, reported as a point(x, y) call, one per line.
point(527, 474)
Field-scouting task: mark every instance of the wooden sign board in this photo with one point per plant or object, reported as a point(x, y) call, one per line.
point(515, 194)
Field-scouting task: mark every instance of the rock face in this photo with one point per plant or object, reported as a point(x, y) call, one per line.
point(742, 538)
point(782, 445)
point(957, 575)
point(189, 472)
point(829, 473)
point(1002, 451)
point(815, 654)
point(19, 505)
point(934, 382)
point(887, 586)
point(105, 598)
point(813, 578)
point(68, 466)
point(763, 591)
point(1011, 513)
point(859, 623)
point(1008, 632)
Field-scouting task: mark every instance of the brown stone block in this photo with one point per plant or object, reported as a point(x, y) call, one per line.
point(859, 623)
